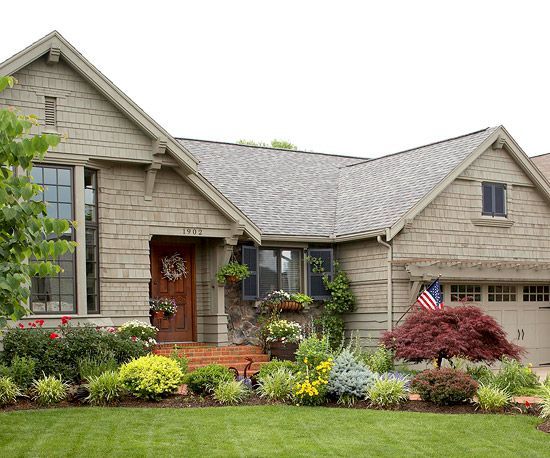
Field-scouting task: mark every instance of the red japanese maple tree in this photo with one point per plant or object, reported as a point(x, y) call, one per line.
point(463, 331)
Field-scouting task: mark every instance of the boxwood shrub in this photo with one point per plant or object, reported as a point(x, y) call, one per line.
point(444, 386)
point(204, 379)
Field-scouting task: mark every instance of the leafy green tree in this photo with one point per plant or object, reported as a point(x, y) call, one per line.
point(282, 144)
point(28, 237)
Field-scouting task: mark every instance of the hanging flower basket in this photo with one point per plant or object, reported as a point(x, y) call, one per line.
point(232, 279)
point(290, 306)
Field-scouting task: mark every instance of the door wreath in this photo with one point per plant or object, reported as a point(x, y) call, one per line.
point(173, 267)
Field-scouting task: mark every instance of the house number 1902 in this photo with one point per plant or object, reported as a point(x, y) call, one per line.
point(193, 231)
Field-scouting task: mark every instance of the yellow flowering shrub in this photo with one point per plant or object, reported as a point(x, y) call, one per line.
point(151, 376)
point(311, 386)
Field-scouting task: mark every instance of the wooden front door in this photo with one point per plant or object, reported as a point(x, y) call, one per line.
point(181, 326)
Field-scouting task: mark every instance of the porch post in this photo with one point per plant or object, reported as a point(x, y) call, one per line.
point(216, 325)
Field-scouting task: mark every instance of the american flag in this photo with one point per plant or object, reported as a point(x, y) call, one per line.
point(431, 298)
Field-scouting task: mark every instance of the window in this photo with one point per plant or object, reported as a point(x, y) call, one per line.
point(465, 293)
point(502, 293)
point(279, 269)
point(536, 293)
point(317, 288)
point(92, 251)
point(56, 294)
point(50, 111)
point(494, 199)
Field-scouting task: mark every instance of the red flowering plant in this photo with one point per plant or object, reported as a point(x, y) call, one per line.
point(59, 351)
point(463, 331)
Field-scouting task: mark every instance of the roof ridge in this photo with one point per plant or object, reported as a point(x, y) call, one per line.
point(418, 147)
point(269, 148)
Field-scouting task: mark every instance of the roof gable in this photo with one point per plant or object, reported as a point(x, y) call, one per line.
point(55, 46)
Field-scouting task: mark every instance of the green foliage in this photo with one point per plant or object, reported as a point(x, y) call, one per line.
point(381, 361)
point(4, 370)
point(349, 379)
point(105, 389)
point(49, 390)
point(232, 269)
point(480, 373)
point(278, 384)
point(313, 350)
point(274, 365)
point(545, 405)
point(230, 392)
point(94, 366)
point(492, 398)
point(282, 144)
point(151, 376)
point(182, 360)
point(61, 356)
point(444, 386)
point(387, 392)
point(341, 299)
point(301, 298)
point(22, 371)
point(8, 391)
point(25, 229)
point(513, 377)
point(204, 379)
point(332, 326)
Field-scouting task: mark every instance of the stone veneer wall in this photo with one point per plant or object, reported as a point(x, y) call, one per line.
point(243, 328)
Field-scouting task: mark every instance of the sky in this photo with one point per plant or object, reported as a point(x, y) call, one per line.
point(348, 77)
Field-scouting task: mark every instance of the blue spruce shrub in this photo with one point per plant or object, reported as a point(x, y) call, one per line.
point(349, 379)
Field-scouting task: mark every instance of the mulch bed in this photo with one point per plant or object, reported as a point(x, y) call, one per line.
point(189, 400)
point(544, 427)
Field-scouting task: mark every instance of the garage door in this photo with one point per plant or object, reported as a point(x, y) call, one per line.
point(522, 310)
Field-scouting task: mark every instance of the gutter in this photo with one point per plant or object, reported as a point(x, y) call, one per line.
point(390, 280)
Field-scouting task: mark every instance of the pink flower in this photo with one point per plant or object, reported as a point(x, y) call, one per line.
point(54, 335)
point(527, 404)
point(21, 326)
point(39, 322)
point(134, 338)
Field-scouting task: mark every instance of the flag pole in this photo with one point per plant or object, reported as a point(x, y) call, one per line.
point(412, 305)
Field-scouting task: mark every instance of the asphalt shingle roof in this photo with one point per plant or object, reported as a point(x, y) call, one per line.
point(283, 192)
point(310, 194)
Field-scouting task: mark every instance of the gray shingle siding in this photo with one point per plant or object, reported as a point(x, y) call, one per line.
point(309, 194)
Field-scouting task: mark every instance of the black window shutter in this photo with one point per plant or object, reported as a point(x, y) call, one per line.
point(250, 284)
point(487, 199)
point(316, 287)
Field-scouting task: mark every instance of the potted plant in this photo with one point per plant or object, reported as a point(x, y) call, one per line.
point(232, 273)
point(283, 301)
point(163, 307)
point(282, 338)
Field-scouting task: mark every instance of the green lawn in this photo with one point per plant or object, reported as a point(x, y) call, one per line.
point(265, 431)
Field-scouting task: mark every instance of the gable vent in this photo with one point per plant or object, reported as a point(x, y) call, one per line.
point(50, 111)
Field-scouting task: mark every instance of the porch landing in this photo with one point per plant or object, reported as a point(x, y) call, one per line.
point(231, 356)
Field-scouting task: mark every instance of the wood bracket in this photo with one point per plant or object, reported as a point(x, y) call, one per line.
point(159, 149)
point(499, 142)
point(53, 55)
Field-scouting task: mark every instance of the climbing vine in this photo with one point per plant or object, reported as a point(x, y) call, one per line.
point(341, 301)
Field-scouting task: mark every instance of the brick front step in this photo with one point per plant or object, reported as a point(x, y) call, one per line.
point(200, 355)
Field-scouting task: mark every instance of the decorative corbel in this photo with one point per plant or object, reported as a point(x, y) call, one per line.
point(158, 151)
point(53, 55)
point(499, 142)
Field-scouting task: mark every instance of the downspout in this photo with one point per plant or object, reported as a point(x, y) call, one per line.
point(390, 280)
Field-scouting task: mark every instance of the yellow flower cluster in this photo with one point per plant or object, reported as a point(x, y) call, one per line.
point(311, 388)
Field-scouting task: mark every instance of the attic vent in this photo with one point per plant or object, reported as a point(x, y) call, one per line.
point(50, 111)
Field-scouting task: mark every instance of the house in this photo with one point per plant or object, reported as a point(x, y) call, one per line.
point(472, 210)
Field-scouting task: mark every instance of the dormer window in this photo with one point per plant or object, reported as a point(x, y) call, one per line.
point(494, 199)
